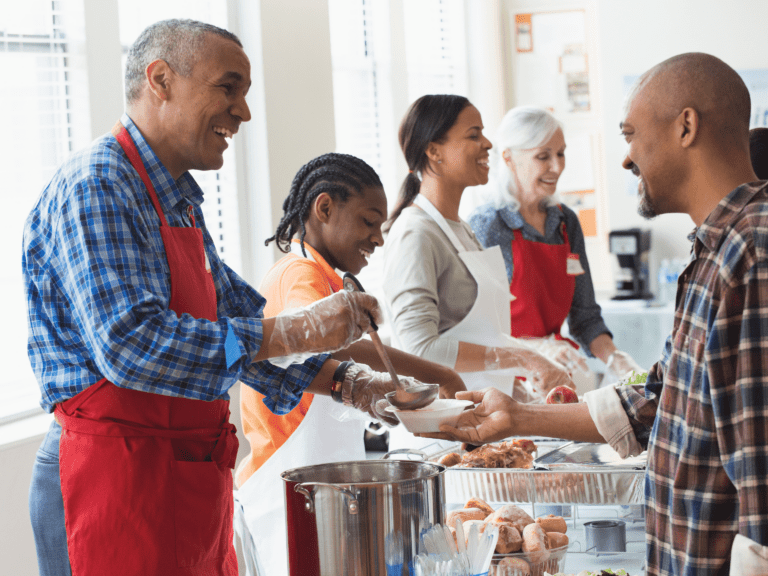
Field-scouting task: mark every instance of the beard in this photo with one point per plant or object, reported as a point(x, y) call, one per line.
point(645, 205)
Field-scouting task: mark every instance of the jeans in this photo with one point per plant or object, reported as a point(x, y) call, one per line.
point(46, 508)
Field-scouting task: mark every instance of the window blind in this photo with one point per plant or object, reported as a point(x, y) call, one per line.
point(362, 40)
point(40, 44)
point(435, 47)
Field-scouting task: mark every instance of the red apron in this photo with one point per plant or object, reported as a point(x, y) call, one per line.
point(542, 286)
point(146, 478)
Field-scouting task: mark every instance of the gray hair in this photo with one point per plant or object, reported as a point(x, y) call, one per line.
point(177, 42)
point(522, 128)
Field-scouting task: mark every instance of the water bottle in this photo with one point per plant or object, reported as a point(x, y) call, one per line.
point(663, 275)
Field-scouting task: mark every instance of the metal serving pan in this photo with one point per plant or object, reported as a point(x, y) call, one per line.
point(563, 473)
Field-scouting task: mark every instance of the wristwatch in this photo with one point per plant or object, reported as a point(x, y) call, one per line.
point(338, 381)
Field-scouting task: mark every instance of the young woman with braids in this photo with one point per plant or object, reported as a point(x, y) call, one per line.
point(331, 224)
point(448, 299)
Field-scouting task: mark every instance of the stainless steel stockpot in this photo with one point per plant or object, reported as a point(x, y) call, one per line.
point(354, 518)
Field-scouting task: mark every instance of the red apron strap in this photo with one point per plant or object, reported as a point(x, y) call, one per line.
point(121, 134)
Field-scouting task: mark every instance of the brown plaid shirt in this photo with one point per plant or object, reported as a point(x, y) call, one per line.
point(704, 410)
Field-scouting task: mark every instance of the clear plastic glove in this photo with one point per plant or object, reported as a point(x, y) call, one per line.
point(491, 420)
point(327, 325)
point(364, 389)
point(562, 352)
point(542, 373)
point(620, 363)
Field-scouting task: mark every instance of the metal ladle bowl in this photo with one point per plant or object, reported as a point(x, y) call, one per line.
point(413, 397)
point(404, 397)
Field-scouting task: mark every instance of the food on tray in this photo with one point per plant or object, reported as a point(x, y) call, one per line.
point(464, 514)
point(512, 522)
point(557, 539)
point(562, 395)
point(513, 566)
point(608, 572)
point(512, 514)
point(513, 454)
point(552, 523)
point(634, 378)
point(535, 543)
point(509, 540)
point(450, 459)
point(478, 503)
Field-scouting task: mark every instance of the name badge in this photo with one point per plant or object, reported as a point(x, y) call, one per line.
point(573, 265)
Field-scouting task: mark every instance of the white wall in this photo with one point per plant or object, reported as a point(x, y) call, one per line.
point(292, 108)
point(633, 37)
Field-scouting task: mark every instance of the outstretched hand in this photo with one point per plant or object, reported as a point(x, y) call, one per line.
point(490, 421)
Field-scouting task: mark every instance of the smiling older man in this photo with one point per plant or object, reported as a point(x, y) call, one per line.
point(138, 329)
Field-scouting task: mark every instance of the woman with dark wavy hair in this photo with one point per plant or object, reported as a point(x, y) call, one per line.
point(448, 299)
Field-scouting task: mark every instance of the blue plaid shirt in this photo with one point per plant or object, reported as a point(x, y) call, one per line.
point(98, 288)
point(704, 411)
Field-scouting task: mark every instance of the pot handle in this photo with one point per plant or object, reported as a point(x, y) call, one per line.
point(419, 453)
point(309, 505)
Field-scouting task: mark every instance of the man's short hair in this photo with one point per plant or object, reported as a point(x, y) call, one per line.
point(177, 42)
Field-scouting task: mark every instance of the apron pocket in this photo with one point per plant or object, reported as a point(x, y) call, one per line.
point(203, 512)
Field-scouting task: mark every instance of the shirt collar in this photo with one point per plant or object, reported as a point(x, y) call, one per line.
point(712, 230)
point(514, 220)
point(169, 191)
point(333, 277)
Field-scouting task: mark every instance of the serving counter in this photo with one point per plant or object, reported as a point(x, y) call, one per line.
point(587, 484)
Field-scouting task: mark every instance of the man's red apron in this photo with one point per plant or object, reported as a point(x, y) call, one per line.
point(147, 479)
point(542, 286)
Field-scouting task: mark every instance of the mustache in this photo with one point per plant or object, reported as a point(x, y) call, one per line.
point(635, 170)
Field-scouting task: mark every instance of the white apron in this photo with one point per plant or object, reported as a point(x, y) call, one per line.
point(486, 324)
point(319, 439)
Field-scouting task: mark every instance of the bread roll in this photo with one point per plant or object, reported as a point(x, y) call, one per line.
point(509, 540)
point(552, 523)
point(464, 514)
point(512, 514)
point(535, 543)
point(557, 539)
point(477, 503)
point(513, 566)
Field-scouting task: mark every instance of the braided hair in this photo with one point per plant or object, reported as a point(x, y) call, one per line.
point(338, 175)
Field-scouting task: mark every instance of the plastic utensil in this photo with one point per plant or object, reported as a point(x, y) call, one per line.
point(393, 553)
point(404, 397)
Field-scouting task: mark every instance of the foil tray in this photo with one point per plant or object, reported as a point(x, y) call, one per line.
point(566, 481)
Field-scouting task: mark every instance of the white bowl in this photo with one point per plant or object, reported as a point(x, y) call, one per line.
point(429, 418)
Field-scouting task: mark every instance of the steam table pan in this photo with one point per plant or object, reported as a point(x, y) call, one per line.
point(562, 473)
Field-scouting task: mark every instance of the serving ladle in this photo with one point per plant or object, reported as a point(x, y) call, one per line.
point(404, 397)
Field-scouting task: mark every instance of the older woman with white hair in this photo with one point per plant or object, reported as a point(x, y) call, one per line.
point(542, 242)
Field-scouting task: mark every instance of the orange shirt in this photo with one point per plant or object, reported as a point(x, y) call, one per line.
point(293, 282)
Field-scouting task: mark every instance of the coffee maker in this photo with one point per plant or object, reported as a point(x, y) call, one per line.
point(631, 247)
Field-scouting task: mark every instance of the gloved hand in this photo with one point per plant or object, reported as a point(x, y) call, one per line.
point(326, 325)
point(562, 352)
point(620, 363)
point(542, 373)
point(364, 389)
